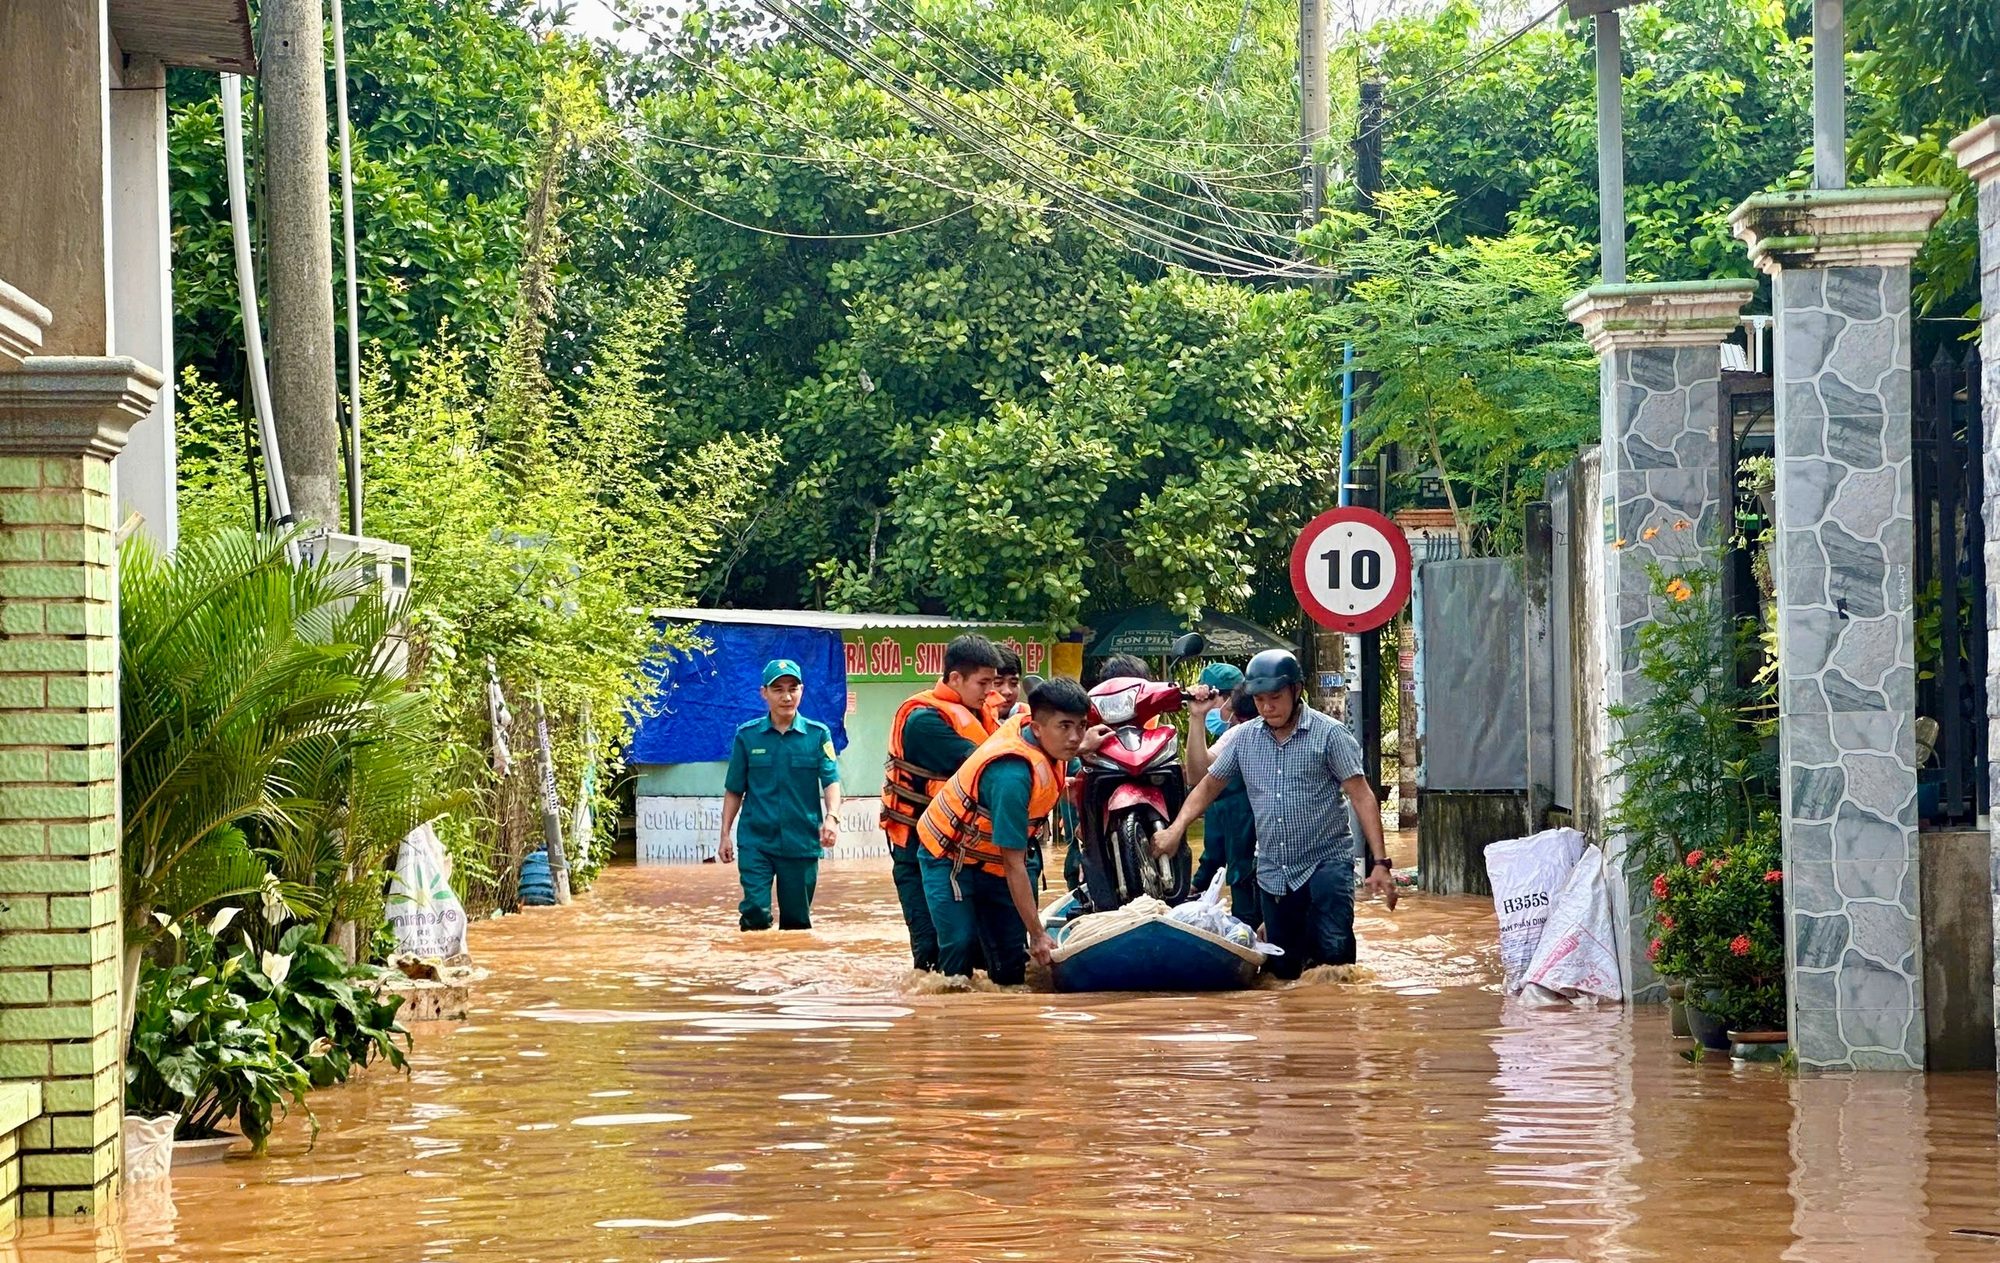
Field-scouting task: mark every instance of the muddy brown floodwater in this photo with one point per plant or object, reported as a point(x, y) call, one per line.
point(639, 1082)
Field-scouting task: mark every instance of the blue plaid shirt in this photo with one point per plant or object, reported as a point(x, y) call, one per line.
point(1295, 794)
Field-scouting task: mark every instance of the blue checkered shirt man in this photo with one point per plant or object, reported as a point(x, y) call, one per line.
point(1295, 795)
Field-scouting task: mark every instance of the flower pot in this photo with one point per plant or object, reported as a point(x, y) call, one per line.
point(189, 1153)
point(1758, 1045)
point(1677, 1017)
point(1707, 1029)
point(149, 1147)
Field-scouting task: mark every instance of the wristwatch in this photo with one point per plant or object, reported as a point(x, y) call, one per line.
point(1381, 861)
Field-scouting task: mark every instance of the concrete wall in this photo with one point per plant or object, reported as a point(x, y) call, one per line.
point(1586, 632)
point(1957, 949)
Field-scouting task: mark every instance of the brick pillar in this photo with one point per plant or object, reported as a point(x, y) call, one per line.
point(1661, 408)
point(62, 419)
point(1979, 153)
point(1840, 267)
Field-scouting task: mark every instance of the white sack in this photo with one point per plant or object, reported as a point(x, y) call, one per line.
point(422, 908)
point(1526, 873)
point(1578, 960)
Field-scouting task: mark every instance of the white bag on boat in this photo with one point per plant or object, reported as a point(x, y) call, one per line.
point(422, 908)
point(1211, 915)
point(1526, 873)
point(1577, 959)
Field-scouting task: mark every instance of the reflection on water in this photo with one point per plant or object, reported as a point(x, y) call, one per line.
point(640, 1082)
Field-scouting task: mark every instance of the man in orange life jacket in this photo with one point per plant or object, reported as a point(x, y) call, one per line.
point(1004, 702)
point(932, 733)
point(976, 834)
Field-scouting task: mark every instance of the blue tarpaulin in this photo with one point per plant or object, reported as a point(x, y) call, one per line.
point(700, 698)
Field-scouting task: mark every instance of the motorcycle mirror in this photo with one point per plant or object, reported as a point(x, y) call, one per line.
point(1189, 646)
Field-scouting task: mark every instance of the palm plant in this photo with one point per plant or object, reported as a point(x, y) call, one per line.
point(265, 732)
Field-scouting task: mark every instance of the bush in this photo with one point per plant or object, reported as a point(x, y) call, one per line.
point(232, 1034)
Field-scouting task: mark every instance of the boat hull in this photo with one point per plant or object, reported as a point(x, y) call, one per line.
point(1153, 955)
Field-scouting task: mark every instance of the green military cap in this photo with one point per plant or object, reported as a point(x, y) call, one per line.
point(779, 668)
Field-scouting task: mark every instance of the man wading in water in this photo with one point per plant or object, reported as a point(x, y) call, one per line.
point(976, 834)
point(1295, 761)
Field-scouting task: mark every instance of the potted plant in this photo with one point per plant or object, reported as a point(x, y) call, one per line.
point(1698, 774)
point(1718, 922)
point(205, 1053)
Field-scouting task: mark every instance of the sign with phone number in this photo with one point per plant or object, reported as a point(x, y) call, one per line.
point(918, 654)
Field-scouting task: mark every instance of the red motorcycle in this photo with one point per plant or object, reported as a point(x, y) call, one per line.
point(1130, 788)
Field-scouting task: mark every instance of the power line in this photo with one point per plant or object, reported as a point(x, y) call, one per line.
point(692, 205)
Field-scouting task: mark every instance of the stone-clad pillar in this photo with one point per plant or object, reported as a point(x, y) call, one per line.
point(1979, 153)
point(62, 419)
point(1840, 267)
point(1661, 487)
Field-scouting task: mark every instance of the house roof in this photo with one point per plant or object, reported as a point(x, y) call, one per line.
point(819, 618)
point(200, 34)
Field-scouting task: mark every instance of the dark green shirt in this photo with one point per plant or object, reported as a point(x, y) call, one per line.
point(780, 775)
point(930, 742)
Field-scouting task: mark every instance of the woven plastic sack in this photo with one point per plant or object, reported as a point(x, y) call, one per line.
point(1526, 873)
point(422, 908)
point(1577, 961)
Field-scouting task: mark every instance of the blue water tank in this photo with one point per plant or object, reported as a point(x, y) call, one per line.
point(538, 884)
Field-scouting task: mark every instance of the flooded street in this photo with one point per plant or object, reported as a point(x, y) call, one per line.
point(639, 1082)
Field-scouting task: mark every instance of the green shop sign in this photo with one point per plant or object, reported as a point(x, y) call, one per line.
point(917, 653)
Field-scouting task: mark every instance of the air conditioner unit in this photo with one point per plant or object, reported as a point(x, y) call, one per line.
point(386, 565)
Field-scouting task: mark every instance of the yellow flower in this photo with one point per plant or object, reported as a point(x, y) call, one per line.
point(1617, 543)
point(1683, 524)
point(1679, 590)
point(1650, 533)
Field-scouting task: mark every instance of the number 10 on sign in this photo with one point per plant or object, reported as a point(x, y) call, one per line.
point(1351, 569)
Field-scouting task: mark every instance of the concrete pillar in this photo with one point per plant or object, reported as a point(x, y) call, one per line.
point(62, 420)
point(1538, 664)
point(1660, 484)
point(1840, 267)
point(1979, 153)
point(142, 324)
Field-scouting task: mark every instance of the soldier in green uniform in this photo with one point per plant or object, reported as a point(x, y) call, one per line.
point(1229, 840)
point(782, 794)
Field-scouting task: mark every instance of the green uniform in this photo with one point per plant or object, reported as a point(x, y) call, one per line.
point(1229, 842)
point(929, 742)
point(973, 910)
point(781, 776)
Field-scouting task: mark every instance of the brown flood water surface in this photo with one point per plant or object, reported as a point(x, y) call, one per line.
point(640, 1082)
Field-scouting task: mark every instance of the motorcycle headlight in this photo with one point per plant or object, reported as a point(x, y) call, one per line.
point(1119, 707)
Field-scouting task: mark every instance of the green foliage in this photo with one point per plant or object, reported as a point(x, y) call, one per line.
point(448, 110)
point(327, 1017)
point(1477, 372)
point(1925, 71)
point(1695, 772)
point(202, 1049)
point(1718, 922)
point(1717, 107)
point(256, 698)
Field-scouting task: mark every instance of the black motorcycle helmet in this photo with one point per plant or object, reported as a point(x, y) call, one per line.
point(1272, 670)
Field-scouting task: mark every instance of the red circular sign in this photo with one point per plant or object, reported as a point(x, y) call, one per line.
point(1351, 569)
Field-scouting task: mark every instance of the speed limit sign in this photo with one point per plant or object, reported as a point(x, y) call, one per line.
point(1351, 569)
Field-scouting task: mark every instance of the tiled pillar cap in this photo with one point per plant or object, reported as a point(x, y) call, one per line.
point(22, 321)
point(74, 405)
point(1836, 227)
point(1681, 313)
point(1979, 151)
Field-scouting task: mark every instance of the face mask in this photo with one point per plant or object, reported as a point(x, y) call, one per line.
point(1215, 724)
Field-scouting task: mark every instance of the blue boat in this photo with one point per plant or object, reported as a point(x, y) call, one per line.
point(1148, 954)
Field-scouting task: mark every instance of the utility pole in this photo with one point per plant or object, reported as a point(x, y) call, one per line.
point(1315, 113)
point(300, 266)
point(1610, 133)
point(1368, 185)
point(1829, 94)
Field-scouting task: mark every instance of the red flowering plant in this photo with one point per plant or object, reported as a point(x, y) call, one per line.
point(1718, 921)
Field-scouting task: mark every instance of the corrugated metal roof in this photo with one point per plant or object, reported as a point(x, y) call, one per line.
point(819, 618)
point(202, 34)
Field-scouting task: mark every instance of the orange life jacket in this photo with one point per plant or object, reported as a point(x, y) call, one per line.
point(993, 716)
point(907, 788)
point(957, 828)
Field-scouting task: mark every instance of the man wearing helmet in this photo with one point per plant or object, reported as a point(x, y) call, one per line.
point(1296, 762)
